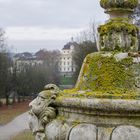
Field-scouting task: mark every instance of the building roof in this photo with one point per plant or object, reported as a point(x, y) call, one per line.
point(69, 44)
point(27, 59)
point(24, 54)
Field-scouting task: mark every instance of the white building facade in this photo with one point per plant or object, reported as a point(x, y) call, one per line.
point(21, 61)
point(66, 64)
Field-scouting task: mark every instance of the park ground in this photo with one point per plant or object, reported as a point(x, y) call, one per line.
point(9, 113)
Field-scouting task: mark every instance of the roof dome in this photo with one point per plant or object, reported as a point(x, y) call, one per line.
point(69, 44)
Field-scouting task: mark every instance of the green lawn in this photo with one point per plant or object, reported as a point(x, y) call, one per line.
point(66, 80)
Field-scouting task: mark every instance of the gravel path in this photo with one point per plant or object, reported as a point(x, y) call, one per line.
point(16, 126)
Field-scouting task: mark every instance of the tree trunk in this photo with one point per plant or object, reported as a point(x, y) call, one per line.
point(14, 99)
point(23, 97)
point(19, 99)
point(7, 99)
point(1, 102)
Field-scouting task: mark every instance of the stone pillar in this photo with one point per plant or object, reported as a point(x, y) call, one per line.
point(105, 103)
point(118, 33)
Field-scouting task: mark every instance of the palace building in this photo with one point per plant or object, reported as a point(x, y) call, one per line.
point(66, 64)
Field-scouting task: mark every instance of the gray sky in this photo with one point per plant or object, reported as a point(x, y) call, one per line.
point(34, 24)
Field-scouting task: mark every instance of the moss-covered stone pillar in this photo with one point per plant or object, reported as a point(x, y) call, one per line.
point(105, 102)
point(118, 33)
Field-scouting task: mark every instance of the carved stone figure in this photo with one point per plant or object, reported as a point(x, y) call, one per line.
point(42, 112)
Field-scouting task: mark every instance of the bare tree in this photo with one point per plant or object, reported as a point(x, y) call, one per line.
point(88, 43)
point(89, 34)
point(32, 78)
point(5, 76)
point(80, 53)
point(5, 65)
point(2, 40)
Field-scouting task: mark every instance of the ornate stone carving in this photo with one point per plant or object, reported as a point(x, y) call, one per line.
point(42, 111)
point(104, 105)
point(118, 33)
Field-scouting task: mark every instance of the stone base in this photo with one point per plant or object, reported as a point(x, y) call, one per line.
point(95, 119)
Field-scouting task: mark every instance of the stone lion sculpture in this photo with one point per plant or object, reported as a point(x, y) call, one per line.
point(42, 112)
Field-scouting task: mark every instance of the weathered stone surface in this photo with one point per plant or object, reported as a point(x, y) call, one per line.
point(104, 133)
point(42, 112)
point(109, 73)
point(107, 92)
point(56, 130)
point(126, 133)
point(101, 104)
point(118, 33)
point(102, 112)
point(83, 132)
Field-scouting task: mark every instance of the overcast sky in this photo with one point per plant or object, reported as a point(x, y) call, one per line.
point(34, 24)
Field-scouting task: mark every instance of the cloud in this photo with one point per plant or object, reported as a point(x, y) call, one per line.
point(49, 13)
point(30, 22)
point(40, 33)
point(34, 38)
point(35, 45)
point(5, 1)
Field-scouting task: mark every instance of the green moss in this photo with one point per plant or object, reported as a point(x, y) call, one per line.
point(122, 10)
point(128, 62)
point(119, 4)
point(106, 73)
point(118, 27)
point(120, 19)
point(62, 119)
point(110, 94)
point(119, 35)
point(103, 76)
point(76, 122)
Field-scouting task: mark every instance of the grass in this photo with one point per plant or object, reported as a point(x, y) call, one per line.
point(8, 113)
point(26, 135)
point(67, 81)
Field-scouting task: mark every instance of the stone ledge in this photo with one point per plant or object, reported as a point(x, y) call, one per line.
point(100, 112)
point(131, 106)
